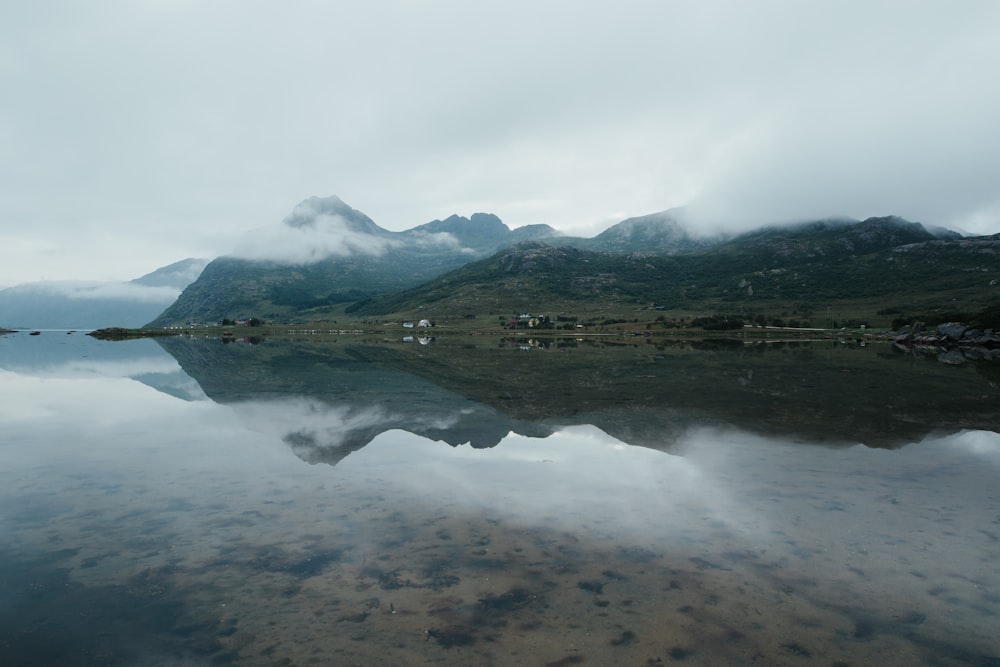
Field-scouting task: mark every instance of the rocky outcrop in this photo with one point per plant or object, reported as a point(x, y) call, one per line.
point(120, 333)
point(952, 342)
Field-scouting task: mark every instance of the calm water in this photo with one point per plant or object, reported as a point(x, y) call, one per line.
point(504, 503)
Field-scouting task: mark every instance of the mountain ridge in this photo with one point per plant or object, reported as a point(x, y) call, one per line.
point(401, 261)
point(915, 270)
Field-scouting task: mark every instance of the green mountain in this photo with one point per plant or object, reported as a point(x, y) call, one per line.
point(890, 261)
point(660, 233)
point(484, 231)
point(343, 256)
point(834, 239)
point(330, 257)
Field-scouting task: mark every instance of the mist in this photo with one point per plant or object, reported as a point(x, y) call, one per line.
point(568, 114)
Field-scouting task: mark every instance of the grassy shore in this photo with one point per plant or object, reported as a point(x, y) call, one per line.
point(467, 327)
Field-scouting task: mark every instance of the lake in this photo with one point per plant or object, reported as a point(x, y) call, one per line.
point(358, 500)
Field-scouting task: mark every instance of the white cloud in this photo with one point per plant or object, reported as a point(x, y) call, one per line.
point(985, 444)
point(311, 233)
point(76, 289)
point(327, 236)
point(435, 240)
point(165, 130)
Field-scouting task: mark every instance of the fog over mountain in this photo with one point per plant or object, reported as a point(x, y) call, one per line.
point(325, 228)
point(209, 118)
point(78, 304)
point(326, 257)
point(326, 253)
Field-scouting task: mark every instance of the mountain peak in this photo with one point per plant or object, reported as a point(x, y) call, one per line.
point(481, 222)
point(481, 230)
point(487, 221)
point(889, 230)
point(661, 232)
point(307, 212)
point(654, 223)
point(894, 224)
point(177, 275)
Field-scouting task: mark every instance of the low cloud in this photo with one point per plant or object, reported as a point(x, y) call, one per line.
point(316, 231)
point(324, 236)
point(437, 240)
point(97, 290)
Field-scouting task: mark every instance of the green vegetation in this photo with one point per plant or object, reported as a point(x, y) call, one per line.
point(718, 285)
point(987, 318)
point(827, 275)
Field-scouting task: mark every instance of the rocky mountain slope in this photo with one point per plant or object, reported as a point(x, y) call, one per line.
point(459, 263)
point(897, 263)
point(340, 256)
point(349, 257)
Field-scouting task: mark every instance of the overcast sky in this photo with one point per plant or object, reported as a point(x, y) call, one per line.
point(137, 133)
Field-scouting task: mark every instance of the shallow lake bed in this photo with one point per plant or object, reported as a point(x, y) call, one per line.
point(151, 517)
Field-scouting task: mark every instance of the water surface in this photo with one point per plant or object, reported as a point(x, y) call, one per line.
point(372, 502)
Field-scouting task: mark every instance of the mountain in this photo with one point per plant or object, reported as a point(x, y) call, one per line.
point(485, 231)
point(176, 276)
point(832, 239)
point(341, 256)
point(91, 305)
point(309, 214)
point(482, 230)
point(326, 253)
point(885, 260)
point(527, 277)
point(660, 233)
point(327, 257)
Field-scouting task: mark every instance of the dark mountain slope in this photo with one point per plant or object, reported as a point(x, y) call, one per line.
point(532, 275)
point(446, 265)
point(234, 288)
point(365, 259)
point(482, 230)
point(660, 233)
point(822, 263)
point(833, 239)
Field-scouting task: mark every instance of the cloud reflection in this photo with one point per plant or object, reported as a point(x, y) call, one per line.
point(984, 444)
point(578, 479)
point(80, 356)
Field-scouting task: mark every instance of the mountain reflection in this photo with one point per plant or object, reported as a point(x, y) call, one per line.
point(328, 398)
point(147, 529)
point(349, 390)
point(321, 432)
